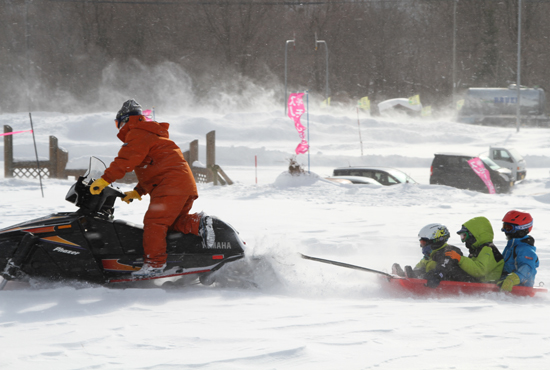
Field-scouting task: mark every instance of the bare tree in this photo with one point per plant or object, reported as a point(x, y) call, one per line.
point(383, 49)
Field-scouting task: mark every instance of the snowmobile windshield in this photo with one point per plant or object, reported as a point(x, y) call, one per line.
point(95, 170)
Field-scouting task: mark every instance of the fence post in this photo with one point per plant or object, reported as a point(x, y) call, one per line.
point(211, 156)
point(8, 152)
point(53, 157)
point(193, 152)
point(210, 149)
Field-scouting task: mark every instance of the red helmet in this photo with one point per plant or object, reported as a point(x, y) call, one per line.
point(520, 221)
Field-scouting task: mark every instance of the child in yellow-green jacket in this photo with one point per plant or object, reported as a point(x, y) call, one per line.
point(485, 262)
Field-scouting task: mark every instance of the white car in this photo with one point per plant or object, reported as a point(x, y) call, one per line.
point(383, 175)
point(511, 159)
point(360, 180)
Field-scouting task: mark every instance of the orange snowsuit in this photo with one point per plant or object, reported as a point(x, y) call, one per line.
point(162, 173)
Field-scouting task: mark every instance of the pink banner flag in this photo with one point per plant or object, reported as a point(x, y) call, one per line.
point(295, 110)
point(148, 113)
point(479, 168)
point(14, 132)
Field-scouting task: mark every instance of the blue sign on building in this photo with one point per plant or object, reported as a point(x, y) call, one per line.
point(505, 100)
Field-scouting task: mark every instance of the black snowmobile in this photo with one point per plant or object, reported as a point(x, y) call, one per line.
point(90, 245)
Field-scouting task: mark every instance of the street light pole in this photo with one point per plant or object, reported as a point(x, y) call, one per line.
point(286, 48)
point(28, 73)
point(327, 94)
point(454, 55)
point(518, 83)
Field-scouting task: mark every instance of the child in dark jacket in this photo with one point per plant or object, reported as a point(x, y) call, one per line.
point(435, 266)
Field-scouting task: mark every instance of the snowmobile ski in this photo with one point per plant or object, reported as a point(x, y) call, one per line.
point(130, 278)
point(173, 272)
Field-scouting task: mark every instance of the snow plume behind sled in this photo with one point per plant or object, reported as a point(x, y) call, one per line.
point(251, 272)
point(248, 273)
point(274, 266)
point(257, 270)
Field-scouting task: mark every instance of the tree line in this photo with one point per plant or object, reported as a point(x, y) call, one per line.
point(75, 51)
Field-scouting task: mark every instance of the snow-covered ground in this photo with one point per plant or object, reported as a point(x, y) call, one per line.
point(302, 314)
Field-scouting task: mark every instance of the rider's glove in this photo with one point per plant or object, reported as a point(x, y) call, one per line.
point(98, 186)
point(453, 255)
point(131, 195)
point(508, 283)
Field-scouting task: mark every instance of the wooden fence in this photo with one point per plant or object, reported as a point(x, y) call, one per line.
point(54, 167)
point(212, 172)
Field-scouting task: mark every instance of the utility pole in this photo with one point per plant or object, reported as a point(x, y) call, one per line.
point(327, 93)
point(518, 83)
point(454, 55)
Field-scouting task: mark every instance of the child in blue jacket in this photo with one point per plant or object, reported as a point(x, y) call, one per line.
point(520, 257)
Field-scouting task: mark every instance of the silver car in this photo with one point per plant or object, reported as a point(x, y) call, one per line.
point(359, 180)
point(384, 175)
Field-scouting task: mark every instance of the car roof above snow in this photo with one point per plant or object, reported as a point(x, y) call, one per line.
point(368, 168)
point(356, 179)
point(457, 154)
point(483, 156)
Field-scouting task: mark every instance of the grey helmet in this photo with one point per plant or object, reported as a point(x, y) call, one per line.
point(129, 108)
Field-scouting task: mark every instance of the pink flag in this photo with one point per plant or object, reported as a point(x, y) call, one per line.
point(295, 110)
point(479, 168)
point(14, 132)
point(148, 113)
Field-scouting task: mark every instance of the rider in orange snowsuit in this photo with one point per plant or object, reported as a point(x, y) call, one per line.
point(162, 173)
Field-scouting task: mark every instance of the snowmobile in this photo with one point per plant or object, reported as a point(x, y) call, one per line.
point(417, 287)
point(90, 245)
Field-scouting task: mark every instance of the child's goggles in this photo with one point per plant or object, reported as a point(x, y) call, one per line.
point(511, 228)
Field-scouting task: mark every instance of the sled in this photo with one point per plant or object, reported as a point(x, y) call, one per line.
point(450, 288)
point(446, 288)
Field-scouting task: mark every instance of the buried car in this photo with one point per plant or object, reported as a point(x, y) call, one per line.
point(511, 159)
point(383, 175)
point(458, 170)
point(358, 180)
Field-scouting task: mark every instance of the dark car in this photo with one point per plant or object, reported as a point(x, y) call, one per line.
point(453, 170)
point(384, 175)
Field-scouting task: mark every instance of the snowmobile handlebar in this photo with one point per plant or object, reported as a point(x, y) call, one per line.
point(101, 204)
point(110, 189)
